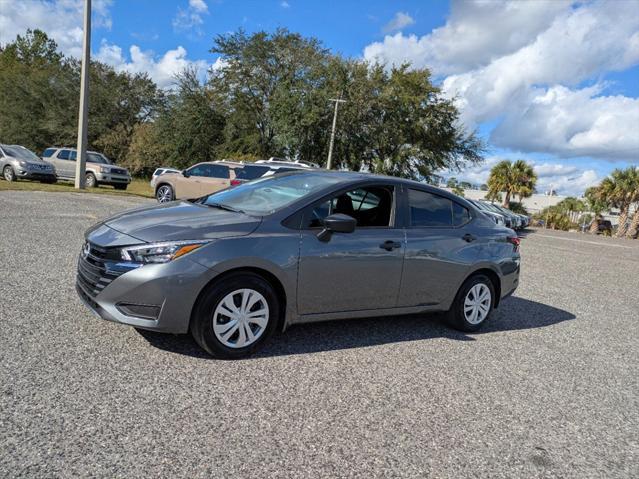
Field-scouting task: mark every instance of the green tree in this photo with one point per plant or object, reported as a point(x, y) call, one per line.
point(513, 178)
point(597, 204)
point(276, 90)
point(620, 190)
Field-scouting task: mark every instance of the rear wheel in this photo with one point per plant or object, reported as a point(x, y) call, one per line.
point(164, 194)
point(9, 174)
point(234, 317)
point(473, 304)
point(90, 181)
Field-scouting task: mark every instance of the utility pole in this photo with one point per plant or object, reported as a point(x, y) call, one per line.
point(83, 116)
point(337, 101)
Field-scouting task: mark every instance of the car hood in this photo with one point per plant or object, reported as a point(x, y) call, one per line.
point(182, 220)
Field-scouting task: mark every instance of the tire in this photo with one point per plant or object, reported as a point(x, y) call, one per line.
point(209, 321)
point(90, 181)
point(164, 193)
point(464, 320)
point(9, 174)
point(120, 187)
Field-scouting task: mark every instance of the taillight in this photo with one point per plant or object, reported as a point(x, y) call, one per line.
point(515, 241)
point(236, 182)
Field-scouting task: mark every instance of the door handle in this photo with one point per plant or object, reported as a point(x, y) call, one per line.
point(468, 238)
point(390, 245)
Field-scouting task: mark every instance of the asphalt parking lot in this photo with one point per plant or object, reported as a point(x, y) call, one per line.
point(549, 389)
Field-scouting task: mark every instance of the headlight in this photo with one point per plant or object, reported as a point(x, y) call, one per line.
point(160, 252)
point(104, 169)
point(23, 164)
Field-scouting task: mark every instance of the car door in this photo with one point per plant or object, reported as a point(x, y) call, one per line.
point(187, 185)
point(440, 248)
point(63, 165)
point(351, 271)
point(215, 178)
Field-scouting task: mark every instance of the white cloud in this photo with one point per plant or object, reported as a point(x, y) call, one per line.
point(61, 20)
point(190, 18)
point(199, 6)
point(399, 21)
point(476, 33)
point(520, 63)
point(573, 123)
point(162, 69)
point(284, 4)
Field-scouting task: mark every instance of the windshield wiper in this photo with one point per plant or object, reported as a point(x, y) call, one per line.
point(225, 207)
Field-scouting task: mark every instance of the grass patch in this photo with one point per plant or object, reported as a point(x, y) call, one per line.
point(137, 187)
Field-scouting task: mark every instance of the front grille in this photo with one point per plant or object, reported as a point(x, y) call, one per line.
point(94, 271)
point(118, 171)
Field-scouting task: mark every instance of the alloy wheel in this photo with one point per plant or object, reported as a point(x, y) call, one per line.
point(8, 173)
point(477, 303)
point(240, 318)
point(164, 194)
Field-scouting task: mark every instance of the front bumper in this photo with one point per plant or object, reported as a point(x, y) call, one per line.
point(111, 179)
point(40, 175)
point(169, 289)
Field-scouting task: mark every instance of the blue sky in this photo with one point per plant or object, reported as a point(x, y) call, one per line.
point(555, 82)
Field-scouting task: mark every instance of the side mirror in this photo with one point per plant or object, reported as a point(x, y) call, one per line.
point(337, 223)
point(185, 173)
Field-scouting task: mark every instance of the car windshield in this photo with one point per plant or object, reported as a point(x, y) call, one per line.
point(20, 153)
point(266, 195)
point(97, 158)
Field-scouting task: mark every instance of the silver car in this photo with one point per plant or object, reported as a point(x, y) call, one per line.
point(99, 169)
point(236, 265)
point(18, 162)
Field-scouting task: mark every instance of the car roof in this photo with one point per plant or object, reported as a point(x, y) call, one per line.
point(354, 177)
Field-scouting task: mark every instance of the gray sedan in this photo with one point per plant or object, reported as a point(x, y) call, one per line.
point(234, 266)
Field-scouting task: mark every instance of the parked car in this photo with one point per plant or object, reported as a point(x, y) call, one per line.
point(161, 171)
point(234, 266)
point(198, 180)
point(508, 218)
point(99, 169)
point(18, 162)
point(496, 217)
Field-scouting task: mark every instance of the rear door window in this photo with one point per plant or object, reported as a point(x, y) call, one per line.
point(250, 172)
point(461, 215)
point(427, 209)
point(215, 171)
point(63, 154)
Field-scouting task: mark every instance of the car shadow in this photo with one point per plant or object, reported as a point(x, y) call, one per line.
point(512, 315)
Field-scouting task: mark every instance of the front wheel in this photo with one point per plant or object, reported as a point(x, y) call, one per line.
point(90, 181)
point(164, 194)
point(9, 174)
point(234, 317)
point(473, 304)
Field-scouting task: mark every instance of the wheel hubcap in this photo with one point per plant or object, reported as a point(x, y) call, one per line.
point(90, 181)
point(240, 318)
point(164, 194)
point(8, 174)
point(477, 303)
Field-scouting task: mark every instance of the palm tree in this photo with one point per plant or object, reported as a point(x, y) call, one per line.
point(514, 179)
point(633, 179)
point(596, 204)
point(620, 190)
